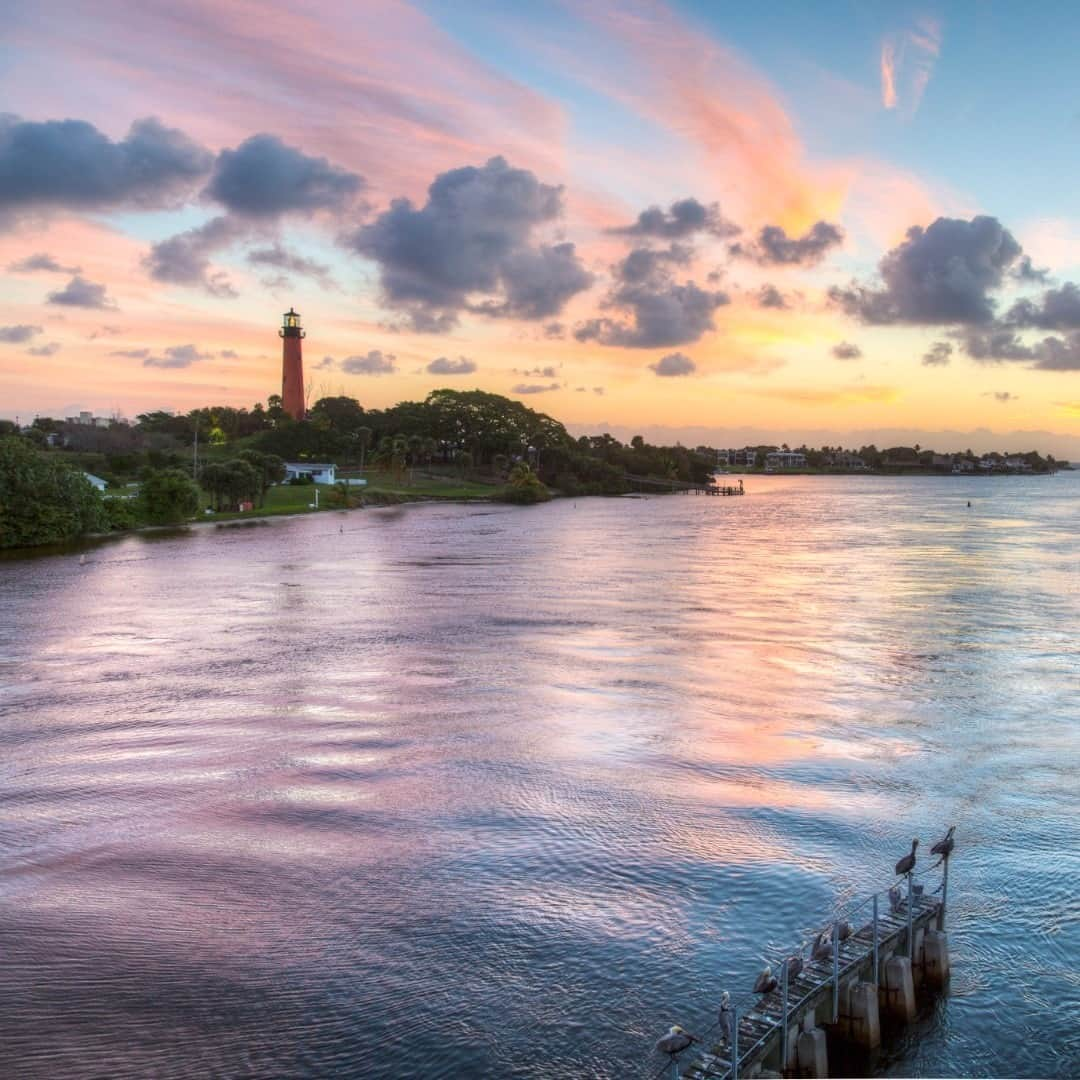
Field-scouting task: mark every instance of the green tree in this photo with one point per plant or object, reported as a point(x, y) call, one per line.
point(42, 500)
point(269, 469)
point(168, 497)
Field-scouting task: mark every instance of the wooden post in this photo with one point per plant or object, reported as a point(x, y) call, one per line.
point(910, 936)
point(944, 895)
point(835, 972)
point(735, 1043)
point(875, 941)
point(784, 1021)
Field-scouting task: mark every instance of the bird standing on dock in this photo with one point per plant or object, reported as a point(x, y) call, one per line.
point(894, 899)
point(675, 1041)
point(945, 845)
point(794, 967)
point(727, 1026)
point(822, 947)
point(907, 863)
point(766, 982)
point(843, 930)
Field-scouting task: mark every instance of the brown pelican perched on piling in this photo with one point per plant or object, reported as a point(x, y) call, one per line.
point(945, 845)
point(907, 863)
point(675, 1041)
point(766, 982)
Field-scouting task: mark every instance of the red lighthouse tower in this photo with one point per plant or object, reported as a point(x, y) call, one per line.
point(292, 366)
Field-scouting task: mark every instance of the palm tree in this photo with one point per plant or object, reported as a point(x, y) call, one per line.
point(363, 436)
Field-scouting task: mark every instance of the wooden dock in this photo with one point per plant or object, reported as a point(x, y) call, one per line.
point(877, 967)
point(681, 487)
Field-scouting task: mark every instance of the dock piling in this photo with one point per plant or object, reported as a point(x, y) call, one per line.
point(835, 972)
point(875, 969)
point(910, 939)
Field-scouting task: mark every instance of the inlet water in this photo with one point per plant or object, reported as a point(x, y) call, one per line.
point(462, 791)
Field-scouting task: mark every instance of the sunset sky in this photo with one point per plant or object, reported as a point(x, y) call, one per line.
point(699, 220)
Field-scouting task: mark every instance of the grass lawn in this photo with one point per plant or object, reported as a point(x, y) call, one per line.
point(297, 499)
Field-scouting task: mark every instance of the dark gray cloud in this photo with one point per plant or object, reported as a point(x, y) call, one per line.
point(327, 363)
point(938, 355)
point(470, 247)
point(534, 388)
point(131, 354)
point(263, 178)
point(18, 334)
point(41, 262)
point(846, 350)
point(228, 354)
point(79, 292)
point(538, 283)
point(554, 330)
point(1004, 396)
point(184, 259)
point(673, 365)
point(70, 164)
point(547, 372)
point(941, 275)
point(373, 363)
point(278, 256)
point(1002, 344)
point(683, 218)
point(773, 246)
point(176, 356)
point(51, 349)
point(443, 365)
point(769, 296)
point(1025, 270)
point(1056, 309)
point(660, 311)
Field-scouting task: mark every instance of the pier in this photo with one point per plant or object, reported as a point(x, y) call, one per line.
point(855, 976)
point(682, 487)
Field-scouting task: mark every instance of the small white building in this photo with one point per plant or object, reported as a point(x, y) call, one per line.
point(100, 484)
point(317, 472)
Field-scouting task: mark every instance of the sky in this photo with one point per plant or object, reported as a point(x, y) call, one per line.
point(838, 222)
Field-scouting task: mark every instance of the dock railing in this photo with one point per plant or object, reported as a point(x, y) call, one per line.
point(748, 1028)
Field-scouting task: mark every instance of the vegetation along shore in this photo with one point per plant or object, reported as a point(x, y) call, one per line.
point(64, 479)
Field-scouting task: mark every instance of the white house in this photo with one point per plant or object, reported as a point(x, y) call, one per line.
point(785, 459)
point(320, 473)
point(100, 484)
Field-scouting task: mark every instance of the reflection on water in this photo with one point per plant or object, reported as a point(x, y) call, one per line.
point(461, 790)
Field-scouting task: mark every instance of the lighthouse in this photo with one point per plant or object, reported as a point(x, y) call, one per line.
point(292, 366)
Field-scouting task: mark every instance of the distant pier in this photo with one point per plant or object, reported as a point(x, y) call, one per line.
point(841, 995)
point(681, 487)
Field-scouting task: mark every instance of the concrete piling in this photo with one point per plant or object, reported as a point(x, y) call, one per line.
point(899, 989)
point(813, 1055)
point(936, 958)
point(861, 1021)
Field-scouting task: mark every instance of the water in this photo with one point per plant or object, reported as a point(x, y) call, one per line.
point(462, 791)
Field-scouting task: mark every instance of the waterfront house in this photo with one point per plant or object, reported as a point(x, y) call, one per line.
point(317, 472)
point(785, 459)
point(100, 484)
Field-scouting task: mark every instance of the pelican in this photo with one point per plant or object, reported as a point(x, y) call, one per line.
point(766, 982)
point(822, 947)
point(675, 1041)
point(794, 967)
point(843, 930)
point(907, 863)
point(725, 1017)
point(894, 899)
point(945, 845)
